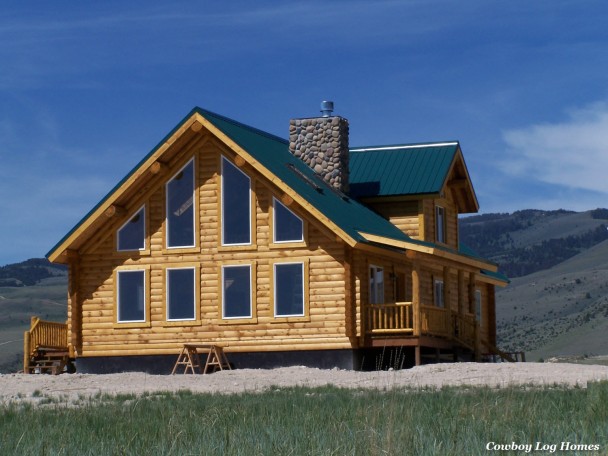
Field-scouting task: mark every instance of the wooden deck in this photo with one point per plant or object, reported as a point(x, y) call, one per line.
point(398, 324)
point(45, 347)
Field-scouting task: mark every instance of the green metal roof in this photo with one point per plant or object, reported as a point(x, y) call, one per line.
point(273, 153)
point(414, 169)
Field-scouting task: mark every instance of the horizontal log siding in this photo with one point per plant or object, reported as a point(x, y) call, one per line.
point(402, 214)
point(326, 328)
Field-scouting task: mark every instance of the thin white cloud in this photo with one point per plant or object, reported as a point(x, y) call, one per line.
point(572, 153)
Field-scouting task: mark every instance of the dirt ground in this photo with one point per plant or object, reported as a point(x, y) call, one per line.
point(77, 387)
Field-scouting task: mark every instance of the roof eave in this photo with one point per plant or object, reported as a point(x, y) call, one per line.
point(59, 253)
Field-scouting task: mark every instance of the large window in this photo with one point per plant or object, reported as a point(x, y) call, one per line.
point(287, 226)
point(180, 208)
point(289, 289)
point(440, 229)
point(181, 294)
point(376, 285)
point(236, 205)
point(439, 295)
point(131, 296)
point(236, 291)
point(132, 235)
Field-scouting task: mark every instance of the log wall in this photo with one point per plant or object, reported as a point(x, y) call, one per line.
point(324, 327)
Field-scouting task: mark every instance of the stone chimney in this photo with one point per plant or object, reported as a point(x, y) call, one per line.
point(322, 143)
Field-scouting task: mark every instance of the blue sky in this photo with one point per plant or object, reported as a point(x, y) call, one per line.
point(88, 88)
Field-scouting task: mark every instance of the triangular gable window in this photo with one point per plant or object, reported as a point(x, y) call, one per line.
point(288, 227)
point(132, 235)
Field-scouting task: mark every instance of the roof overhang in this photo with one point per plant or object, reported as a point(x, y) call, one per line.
point(193, 124)
point(458, 183)
point(431, 249)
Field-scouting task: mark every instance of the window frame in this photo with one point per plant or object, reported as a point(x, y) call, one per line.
point(252, 294)
point(146, 247)
point(250, 218)
point(195, 234)
point(441, 234)
point(305, 316)
point(118, 324)
point(273, 218)
point(196, 320)
point(373, 289)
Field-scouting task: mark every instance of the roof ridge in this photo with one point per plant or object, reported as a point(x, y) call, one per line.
point(241, 125)
point(403, 146)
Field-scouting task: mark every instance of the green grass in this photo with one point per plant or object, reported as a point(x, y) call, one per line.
point(299, 421)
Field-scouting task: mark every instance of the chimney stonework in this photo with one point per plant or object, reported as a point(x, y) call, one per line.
point(322, 143)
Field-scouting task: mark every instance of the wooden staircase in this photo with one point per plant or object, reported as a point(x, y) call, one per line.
point(45, 348)
point(466, 334)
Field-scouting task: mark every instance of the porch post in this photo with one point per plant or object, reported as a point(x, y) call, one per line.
point(416, 298)
point(416, 310)
point(26, 352)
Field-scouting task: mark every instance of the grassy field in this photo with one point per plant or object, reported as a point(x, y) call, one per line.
point(326, 421)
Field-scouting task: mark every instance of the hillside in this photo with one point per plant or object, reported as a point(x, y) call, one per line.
point(33, 287)
point(557, 302)
point(532, 240)
point(30, 272)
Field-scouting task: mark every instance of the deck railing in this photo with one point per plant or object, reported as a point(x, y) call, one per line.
point(43, 334)
point(435, 321)
point(390, 318)
point(48, 334)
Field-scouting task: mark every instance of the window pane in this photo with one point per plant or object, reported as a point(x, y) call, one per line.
point(131, 296)
point(287, 226)
point(237, 291)
point(478, 305)
point(132, 235)
point(440, 228)
point(180, 208)
point(289, 289)
point(376, 285)
point(439, 302)
point(236, 205)
point(180, 294)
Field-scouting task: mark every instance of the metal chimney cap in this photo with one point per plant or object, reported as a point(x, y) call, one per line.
point(327, 108)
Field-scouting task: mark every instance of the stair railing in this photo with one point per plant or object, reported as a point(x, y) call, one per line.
point(43, 334)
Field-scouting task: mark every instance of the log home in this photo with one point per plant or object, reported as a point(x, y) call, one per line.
point(299, 251)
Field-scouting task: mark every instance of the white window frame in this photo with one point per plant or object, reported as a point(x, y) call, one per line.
point(376, 295)
point(274, 223)
point(194, 292)
point(145, 295)
point(440, 225)
point(194, 209)
point(302, 265)
point(118, 249)
point(249, 198)
point(238, 317)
